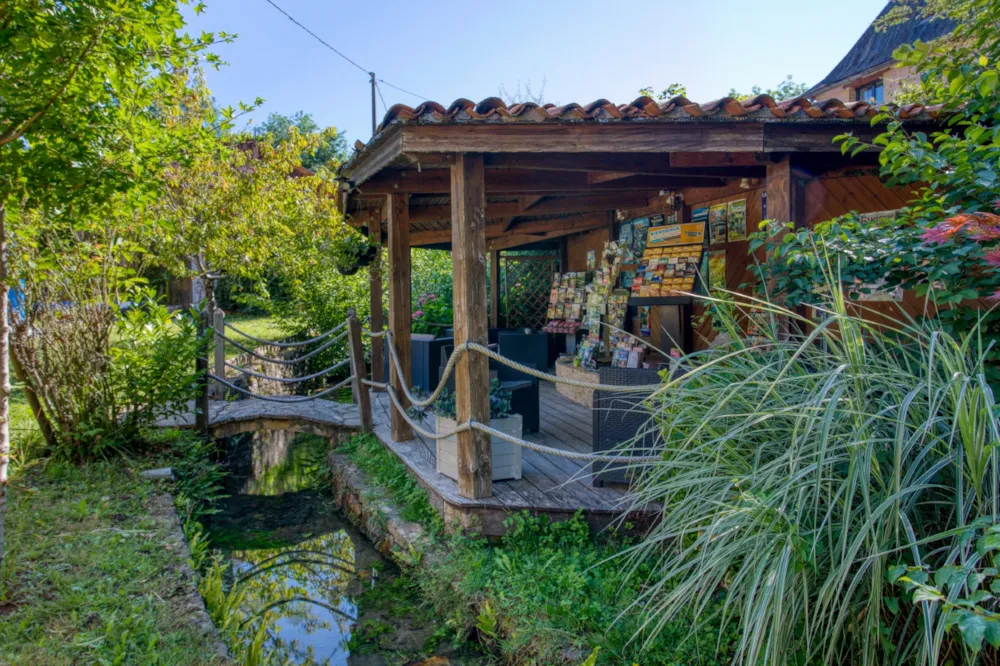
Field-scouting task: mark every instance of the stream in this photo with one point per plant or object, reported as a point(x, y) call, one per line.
point(333, 597)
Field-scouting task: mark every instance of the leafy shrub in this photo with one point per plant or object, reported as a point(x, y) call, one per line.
point(499, 402)
point(101, 375)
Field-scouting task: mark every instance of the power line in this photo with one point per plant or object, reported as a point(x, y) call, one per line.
point(384, 107)
point(316, 37)
point(420, 97)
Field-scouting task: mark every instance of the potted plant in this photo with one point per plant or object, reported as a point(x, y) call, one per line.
point(353, 253)
point(506, 456)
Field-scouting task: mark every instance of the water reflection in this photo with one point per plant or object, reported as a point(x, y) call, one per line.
point(299, 562)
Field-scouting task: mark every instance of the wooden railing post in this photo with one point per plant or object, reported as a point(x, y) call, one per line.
point(361, 395)
point(201, 419)
point(219, 324)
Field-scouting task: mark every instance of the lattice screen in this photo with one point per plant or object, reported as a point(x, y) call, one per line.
point(525, 282)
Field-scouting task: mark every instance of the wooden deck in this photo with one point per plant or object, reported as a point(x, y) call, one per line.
point(551, 485)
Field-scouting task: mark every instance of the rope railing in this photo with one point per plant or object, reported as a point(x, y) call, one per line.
point(493, 432)
point(287, 380)
point(272, 398)
point(284, 345)
point(281, 361)
point(475, 425)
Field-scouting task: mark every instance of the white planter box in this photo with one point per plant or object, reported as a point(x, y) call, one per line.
point(506, 456)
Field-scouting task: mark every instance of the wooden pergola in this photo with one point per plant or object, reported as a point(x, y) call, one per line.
point(487, 177)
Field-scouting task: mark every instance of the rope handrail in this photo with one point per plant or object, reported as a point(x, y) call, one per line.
point(292, 399)
point(287, 380)
point(493, 432)
point(453, 359)
point(283, 345)
point(280, 361)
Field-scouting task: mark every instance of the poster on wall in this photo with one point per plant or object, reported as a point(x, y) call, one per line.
point(717, 269)
point(737, 220)
point(717, 223)
point(625, 234)
point(639, 229)
point(699, 216)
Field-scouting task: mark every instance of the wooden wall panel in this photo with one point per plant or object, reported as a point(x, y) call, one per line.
point(578, 245)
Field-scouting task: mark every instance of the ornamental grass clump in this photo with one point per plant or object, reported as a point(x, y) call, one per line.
point(800, 472)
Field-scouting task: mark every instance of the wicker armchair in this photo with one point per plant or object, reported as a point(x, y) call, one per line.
point(620, 417)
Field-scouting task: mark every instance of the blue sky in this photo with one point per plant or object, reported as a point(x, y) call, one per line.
point(584, 50)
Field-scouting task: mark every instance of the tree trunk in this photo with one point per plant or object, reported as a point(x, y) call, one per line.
point(44, 425)
point(4, 376)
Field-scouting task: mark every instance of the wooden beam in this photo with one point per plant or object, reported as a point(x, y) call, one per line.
point(590, 202)
point(377, 321)
point(587, 137)
point(736, 165)
point(442, 212)
point(399, 307)
point(472, 373)
point(715, 160)
point(494, 289)
point(568, 224)
point(370, 163)
point(503, 181)
point(516, 239)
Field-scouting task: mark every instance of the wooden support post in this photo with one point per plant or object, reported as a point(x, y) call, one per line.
point(219, 325)
point(785, 203)
point(495, 289)
point(377, 324)
point(472, 376)
point(399, 306)
point(361, 396)
point(201, 420)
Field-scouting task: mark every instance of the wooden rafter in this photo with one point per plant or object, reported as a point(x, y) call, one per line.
point(513, 181)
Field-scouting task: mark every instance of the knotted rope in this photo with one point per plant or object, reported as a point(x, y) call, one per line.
point(281, 361)
point(287, 345)
point(493, 432)
point(271, 398)
point(287, 380)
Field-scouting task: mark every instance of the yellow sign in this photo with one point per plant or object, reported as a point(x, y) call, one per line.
point(691, 233)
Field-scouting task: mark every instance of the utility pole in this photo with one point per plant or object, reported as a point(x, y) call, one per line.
point(372, 75)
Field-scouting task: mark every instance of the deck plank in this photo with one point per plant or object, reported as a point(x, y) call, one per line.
point(549, 484)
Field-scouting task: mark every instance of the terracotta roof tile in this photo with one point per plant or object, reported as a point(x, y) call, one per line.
point(643, 109)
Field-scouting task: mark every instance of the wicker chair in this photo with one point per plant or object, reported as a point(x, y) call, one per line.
point(620, 417)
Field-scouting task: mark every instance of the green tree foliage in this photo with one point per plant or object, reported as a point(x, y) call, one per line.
point(81, 86)
point(786, 89)
point(332, 145)
point(243, 208)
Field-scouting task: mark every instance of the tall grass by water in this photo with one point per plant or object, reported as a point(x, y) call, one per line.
point(798, 471)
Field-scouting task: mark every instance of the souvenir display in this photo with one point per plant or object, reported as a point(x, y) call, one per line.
point(736, 218)
point(599, 300)
point(639, 230)
point(717, 223)
point(567, 296)
point(665, 271)
point(644, 329)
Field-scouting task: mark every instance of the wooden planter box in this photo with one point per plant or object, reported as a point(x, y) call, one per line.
point(506, 456)
point(579, 395)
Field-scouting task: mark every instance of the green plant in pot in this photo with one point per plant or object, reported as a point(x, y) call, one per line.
point(353, 253)
point(505, 455)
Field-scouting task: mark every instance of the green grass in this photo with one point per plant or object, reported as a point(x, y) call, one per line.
point(87, 578)
point(259, 326)
point(544, 588)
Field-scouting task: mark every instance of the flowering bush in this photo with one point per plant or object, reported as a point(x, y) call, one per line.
point(431, 314)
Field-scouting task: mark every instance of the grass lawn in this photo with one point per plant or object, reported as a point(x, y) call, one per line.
point(89, 576)
point(259, 326)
